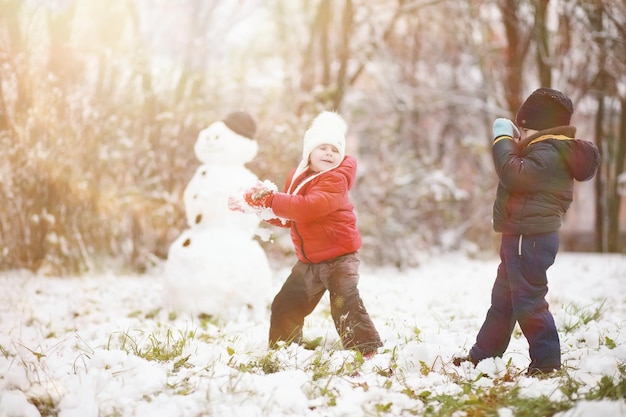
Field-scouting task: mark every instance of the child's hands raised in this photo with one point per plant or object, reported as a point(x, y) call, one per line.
point(259, 196)
point(505, 127)
point(256, 199)
point(259, 199)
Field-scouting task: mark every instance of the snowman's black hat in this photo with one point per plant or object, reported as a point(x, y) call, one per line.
point(241, 123)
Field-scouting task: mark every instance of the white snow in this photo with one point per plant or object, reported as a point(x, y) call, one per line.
point(137, 346)
point(84, 345)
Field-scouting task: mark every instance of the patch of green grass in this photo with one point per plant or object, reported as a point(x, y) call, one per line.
point(383, 408)
point(610, 388)
point(417, 334)
point(319, 367)
point(154, 347)
point(610, 343)
point(487, 401)
point(45, 406)
point(181, 363)
point(314, 343)
point(324, 390)
point(584, 315)
point(267, 364)
point(207, 320)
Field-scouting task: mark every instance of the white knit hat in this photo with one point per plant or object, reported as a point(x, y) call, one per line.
point(327, 128)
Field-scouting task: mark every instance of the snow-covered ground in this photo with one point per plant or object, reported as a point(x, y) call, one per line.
point(101, 346)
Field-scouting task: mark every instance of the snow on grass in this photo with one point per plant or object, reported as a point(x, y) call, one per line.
point(101, 346)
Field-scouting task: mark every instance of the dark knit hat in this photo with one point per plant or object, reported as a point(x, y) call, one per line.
point(241, 123)
point(543, 109)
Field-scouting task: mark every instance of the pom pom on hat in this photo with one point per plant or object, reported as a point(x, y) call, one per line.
point(327, 128)
point(241, 123)
point(543, 109)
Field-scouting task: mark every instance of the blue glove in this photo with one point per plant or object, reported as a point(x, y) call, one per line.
point(505, 127)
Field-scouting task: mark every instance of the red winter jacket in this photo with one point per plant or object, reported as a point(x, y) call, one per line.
point(320, 215)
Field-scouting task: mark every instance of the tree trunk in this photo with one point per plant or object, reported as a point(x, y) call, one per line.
point(544, 64)
point(344, 53)
point(614, 199)
point(600, 206)
point(514, 55)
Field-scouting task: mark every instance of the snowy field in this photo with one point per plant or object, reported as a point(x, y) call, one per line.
point(102, 346)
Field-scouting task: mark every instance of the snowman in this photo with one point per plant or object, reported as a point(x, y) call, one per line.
point(216, 267)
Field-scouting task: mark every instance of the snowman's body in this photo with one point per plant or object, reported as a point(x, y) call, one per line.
point(213, 184)
point(216, 267)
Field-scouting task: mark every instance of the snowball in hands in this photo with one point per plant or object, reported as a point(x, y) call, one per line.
point(238, 201)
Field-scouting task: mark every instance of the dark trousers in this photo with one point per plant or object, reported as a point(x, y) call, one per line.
point(519, 295)
point(303, 290)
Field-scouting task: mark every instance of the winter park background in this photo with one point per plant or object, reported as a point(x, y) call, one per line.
point(102, 109)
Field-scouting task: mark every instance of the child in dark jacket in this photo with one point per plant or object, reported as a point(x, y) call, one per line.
point(316, 207)
point(536, 166)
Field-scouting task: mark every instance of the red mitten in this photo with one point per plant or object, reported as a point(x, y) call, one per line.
point(259, 198)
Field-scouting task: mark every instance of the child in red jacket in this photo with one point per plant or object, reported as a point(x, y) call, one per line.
point(315, 206)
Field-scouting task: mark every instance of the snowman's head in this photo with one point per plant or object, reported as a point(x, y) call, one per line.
point(219, 144)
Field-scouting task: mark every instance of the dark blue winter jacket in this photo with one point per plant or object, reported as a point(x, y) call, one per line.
point(537, 179)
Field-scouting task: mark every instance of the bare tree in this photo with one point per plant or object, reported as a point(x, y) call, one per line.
point(603, 35)
point(99, 143)
point(518, 42)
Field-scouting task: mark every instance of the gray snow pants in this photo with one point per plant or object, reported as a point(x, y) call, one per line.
point(303, 290)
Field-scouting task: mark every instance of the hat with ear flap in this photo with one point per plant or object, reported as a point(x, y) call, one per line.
point(328, 128)
point(543, 109)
